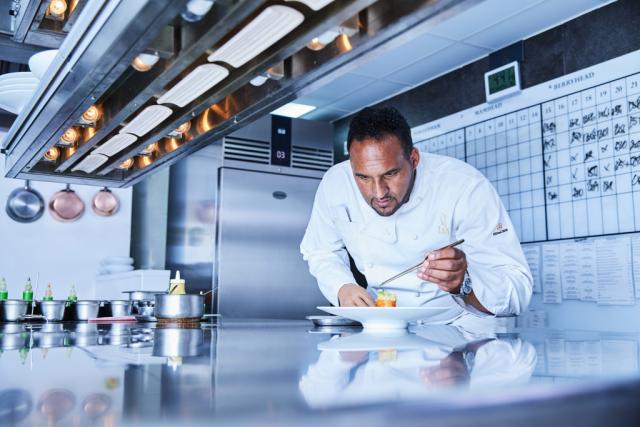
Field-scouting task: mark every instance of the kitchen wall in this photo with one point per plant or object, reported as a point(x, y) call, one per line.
point(585, 279)
point(595, 37)
point(62, 253)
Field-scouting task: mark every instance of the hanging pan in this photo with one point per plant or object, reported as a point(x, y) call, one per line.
point(25, 204)
point(105, 203)
point(66, 206)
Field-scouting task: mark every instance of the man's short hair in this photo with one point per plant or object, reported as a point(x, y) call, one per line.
point(378, 122)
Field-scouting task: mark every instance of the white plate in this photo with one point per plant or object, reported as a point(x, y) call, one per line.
point(386, 317)
point(397, 339)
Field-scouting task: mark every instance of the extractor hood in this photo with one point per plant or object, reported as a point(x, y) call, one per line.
point(137, 85)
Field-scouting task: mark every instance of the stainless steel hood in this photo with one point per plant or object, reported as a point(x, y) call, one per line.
point(135, 133)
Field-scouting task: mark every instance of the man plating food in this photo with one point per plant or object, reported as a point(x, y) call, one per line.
point(390, 205)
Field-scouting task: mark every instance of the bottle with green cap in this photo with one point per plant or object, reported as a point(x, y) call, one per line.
point(4, 294)
point(27, 294)
point(48, 294)
point(73, 296)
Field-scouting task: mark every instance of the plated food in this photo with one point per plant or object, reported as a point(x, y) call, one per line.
point(385, 299)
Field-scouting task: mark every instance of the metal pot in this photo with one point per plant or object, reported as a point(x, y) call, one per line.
point(51, 339)
point(105, 203)
point(120, 308)
point(66, 206)
point(53, 311)
point(12, 310)
point(179, 306)
point(143, 295)
point(13, 341)
point(11, 328)
point(174, 342)
point(25, 204)
point(85, 310)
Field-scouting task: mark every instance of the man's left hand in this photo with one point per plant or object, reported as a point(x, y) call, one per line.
point(445, 268)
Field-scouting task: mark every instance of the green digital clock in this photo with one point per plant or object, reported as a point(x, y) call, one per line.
point(502, 81)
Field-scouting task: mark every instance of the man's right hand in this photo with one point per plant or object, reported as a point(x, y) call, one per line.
point(352, 295)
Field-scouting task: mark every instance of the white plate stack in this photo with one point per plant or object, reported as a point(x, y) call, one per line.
point(115, 265)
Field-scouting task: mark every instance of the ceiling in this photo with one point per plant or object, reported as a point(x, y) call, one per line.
point(466, 37)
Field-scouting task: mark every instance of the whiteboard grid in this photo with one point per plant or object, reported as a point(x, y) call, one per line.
point(565, 168)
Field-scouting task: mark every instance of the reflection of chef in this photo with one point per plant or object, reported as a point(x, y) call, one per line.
point(449, 359)
point(390, 204)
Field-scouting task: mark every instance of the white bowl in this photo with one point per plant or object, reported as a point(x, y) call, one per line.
point(386, 317)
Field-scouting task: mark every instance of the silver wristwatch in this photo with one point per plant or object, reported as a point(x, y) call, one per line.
point(465, 288)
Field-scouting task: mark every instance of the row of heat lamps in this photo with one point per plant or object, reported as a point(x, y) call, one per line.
point(86, 128)
point(196, 9)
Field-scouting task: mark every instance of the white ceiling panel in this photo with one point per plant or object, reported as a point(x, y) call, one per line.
point(368, 95)
point(447, 59)
point(483, 15)
point(326, 114)
point(341, 86)
point(387, 62)
point(534, 20)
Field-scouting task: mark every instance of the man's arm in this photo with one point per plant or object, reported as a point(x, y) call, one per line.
point(322, 247)
point(501, 279)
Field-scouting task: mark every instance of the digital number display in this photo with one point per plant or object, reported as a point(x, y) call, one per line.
point(502, 80)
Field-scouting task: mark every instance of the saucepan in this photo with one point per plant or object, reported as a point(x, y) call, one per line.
point(66, 206)
point(25, 204)
point(179, 307)
point(105, 203)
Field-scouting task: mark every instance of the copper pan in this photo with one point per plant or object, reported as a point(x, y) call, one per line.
point(105, 203)
point(66, 206)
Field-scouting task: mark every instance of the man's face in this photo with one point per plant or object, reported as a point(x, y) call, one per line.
point(383, 173)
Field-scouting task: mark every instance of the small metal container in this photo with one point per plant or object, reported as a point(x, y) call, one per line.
point(50, 339)
point(144, 308)
point(120, 308)
point(12, 310)
point(177, 342)
point(11, 328)
point(85, 310)
point(179, 306)
point(53, 311)
point(143, 295)
point(13, 341)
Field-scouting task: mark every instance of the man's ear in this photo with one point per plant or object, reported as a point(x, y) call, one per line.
point(414, 157)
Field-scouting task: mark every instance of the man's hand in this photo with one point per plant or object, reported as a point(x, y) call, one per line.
point(352, 295)
point(445, 268)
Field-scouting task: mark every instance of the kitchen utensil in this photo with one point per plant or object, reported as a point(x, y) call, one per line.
point(66, 206)
point(415, 267)
point(179, 306)
point(13, 309)
point(332, 321)
point(177, 342)
point(85, 309)
point(25, 204)
point(120, 308)
point(53, 311)
point(105, 203)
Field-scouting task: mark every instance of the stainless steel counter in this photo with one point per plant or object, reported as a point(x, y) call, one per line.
point(245, 372)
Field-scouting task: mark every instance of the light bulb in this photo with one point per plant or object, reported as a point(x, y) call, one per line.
point(143, 161)
point(144, 62)
point(92, 115)
point(57, 8)
point(196, 9)
point(344, 44)
point(126, 164)
point(150, 148)
point(70, 136)
point(315, 44)
point(184, 128)
point(69, 151)
point(171, 144)
point(52, 154)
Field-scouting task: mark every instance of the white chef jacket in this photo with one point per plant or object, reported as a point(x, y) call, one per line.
point(450, 200)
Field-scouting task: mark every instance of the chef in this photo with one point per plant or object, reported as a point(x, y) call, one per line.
point(390, 206)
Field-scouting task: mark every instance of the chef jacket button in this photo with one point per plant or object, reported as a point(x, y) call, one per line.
point(415, 237)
